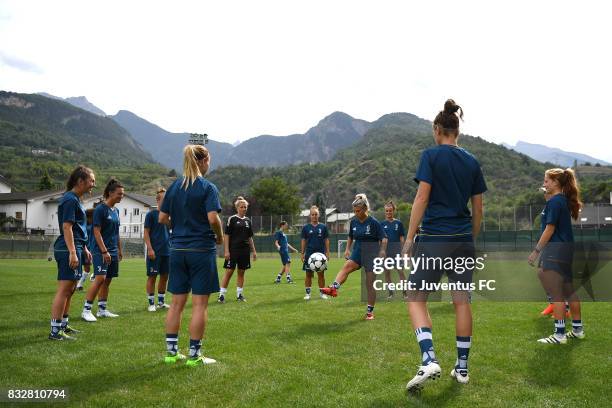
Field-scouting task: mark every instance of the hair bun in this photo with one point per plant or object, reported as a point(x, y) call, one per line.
point(450, 106)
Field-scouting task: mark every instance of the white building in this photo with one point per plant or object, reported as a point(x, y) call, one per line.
point(132, 211)
point(6, 187)
point(337, 222)
point(36, 212)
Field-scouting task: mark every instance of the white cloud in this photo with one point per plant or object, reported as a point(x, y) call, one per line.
point(535, 71)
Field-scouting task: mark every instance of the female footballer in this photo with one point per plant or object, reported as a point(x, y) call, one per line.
point(394, 229)
point(106, 251)
point(69, 248)
point(191, 208)
point(556, 250)
point(283, 247)
point(448, 177)
point(315, 238)
point(157, 239)
point(238, 245)
point(366, 240)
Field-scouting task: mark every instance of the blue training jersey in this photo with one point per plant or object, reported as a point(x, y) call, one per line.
point(369, 230)
point(282, 240)
point(108, 220)
point(557, 213)
point(188, 210)
point(394, 230)
point(70, 209)
point(455, 176)
point(158, 233)
point(315, 236)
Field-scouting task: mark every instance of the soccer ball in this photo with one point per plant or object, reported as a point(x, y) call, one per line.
point(317, 262)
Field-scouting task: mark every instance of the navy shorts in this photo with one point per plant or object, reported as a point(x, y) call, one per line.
point(64, 272)
point(240, 259)
point(558, 257)
point(193, 271)
point(394, 249)
point(285, 258)
point(109, 270)
point(159, 266)
point(363, 254)
point(443, 255)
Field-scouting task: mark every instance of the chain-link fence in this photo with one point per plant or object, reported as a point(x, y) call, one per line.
point(513, 228)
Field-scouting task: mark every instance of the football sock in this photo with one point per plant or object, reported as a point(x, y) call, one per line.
point(463, 351)
point(56, 325)
point(577, 326)
point(423, 335)
point(172, 343)
point(64, 321)
point(151, 297)
point(194, 347)
point(560, 328)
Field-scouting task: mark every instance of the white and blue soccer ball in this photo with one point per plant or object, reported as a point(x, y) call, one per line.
point(317, 262)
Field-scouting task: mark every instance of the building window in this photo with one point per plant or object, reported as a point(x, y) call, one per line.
point(19, 215)
point(124, 229)
point(125, 211)
point(2, 215)
point(136, 211)
point(136, 228)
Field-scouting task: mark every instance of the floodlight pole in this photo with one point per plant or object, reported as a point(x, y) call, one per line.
point(198, 139)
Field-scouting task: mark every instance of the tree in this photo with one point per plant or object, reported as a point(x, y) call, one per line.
point(275, 196)
point(45, 182)
point(172, 173)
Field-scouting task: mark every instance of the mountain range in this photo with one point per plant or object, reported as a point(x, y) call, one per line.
point(332, 161)
point(41, 135)
point(382, 164)
point(79, 102)
point(320, 143)
point(553, 155)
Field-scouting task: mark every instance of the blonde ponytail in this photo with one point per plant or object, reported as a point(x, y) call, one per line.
point(191, 171)
point(361, 201)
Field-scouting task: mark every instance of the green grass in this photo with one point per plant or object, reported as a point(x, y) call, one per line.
point(278, 350)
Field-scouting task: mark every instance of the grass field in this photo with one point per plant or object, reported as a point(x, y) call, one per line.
point(278, 350)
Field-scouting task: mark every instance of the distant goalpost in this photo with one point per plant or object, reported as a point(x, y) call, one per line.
point(342, 247)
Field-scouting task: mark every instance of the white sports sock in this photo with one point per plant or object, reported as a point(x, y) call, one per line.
point(223, 291)
point(238, 291)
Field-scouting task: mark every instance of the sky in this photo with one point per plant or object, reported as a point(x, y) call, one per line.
point(537, 71)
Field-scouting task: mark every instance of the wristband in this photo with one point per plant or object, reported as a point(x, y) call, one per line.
point(105, 252)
